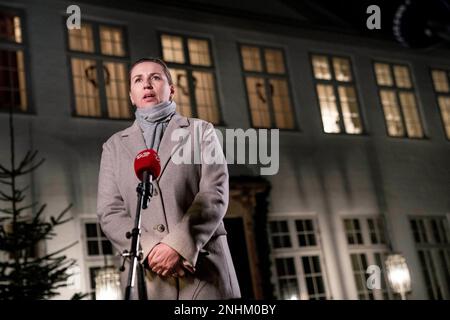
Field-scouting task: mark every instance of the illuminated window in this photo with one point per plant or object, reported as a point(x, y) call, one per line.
point(85, 82)
point(111, 41)
point(82, 39)
point(441, 80)
point(13, 84)
point(398, 100)
point(172, 47)
point(337, 95)
point(192, 68)
point(267, 86)
point(99, 71)
point(199, 52)
point(10, 27)
point(297, 256)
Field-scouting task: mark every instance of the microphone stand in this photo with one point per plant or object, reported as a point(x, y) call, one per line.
point(144, 193)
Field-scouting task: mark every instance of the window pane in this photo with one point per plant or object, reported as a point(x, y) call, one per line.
point(12, 80)
point(116, 90)
point(106, 247)
point(91, 230)
point(402, 77)
point(257, 97)
point(281, 101)
point(342, 71)
point(172, 47)
point(321, 67)
point(391, 113)
point(85, 83)
point(280, 234)
point(10, 27)
point(205, 95)
point(353, 231)
point(251, 58)
point(359, 266)
point(383, 74)
point(313, 277)
point(111, 41)
point(305, 232)
point(274, 61)
point(182, 94)
point(93, 249)
point(444, 106)
point(199, 52)
point(81, 39)
point(412, 119)
point(440, 81)
point(350, 111)
point(328, 108)
point(287, 279)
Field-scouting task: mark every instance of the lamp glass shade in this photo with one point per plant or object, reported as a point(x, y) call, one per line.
point(107, 284)
point(398, 273)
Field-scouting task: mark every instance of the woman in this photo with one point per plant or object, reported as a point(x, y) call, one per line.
point(183, 238)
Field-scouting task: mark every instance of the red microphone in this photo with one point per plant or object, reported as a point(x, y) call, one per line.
point(147, 160)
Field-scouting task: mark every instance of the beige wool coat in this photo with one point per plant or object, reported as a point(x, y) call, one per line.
point(186, 211)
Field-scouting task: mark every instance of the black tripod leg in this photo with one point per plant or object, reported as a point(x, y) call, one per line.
point(142, 288)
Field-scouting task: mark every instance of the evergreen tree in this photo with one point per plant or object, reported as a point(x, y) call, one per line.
point(25, 273)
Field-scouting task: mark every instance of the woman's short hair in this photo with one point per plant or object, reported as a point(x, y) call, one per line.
point(155, 60)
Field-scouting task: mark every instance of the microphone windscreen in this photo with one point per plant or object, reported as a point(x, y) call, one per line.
point(147, 160)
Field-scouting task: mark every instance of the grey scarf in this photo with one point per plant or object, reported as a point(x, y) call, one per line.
point(153, 122)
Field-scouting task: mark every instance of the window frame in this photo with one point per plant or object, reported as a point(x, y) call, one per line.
point(10, 45)
point(101, 257)
point(297, 252)
point(432, 248)
point(99, 59)
point(369, 250)
point(397, 90)
point(335, 84)
point(189, 68)
point(438, 94)
point(266, 76)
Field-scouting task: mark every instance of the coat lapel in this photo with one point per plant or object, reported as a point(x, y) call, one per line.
point(168, 147)
point(133, 140)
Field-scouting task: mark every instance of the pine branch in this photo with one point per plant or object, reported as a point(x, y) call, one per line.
point(21, 173)
point(5, 197)
point(19, 210)
point(4, 173)
point(5, 182)
point(38, 214)
point(7, 211)
point(58, 220)
point(50, 255)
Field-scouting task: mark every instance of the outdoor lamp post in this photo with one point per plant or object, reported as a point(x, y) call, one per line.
point(398, 274)
point(107, 284)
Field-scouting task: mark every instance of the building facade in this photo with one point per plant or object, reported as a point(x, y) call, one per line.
point(363, 144)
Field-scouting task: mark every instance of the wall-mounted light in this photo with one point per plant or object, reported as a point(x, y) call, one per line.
point(107, 284)
point(398, 274)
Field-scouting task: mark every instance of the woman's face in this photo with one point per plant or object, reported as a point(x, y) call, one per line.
point(149, 85)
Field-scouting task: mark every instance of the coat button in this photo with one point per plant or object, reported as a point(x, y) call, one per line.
point(160, 227)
